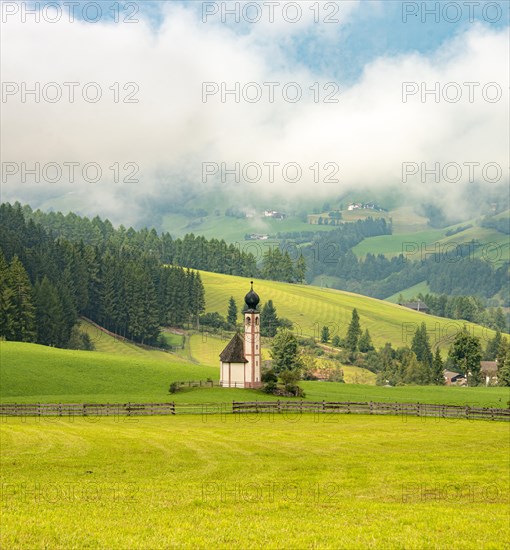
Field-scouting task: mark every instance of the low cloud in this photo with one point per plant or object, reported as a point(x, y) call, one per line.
point(171, 131)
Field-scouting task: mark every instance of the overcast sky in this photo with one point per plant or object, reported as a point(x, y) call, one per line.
point(153, 129)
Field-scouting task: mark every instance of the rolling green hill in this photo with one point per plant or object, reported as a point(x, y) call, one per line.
point(33, 373)
point(495, 245)
point(309, 308)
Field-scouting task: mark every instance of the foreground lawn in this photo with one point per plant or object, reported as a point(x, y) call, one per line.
point(253, 482)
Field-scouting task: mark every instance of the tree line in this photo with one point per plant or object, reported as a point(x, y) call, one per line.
point(47, 282)
point(190, 251)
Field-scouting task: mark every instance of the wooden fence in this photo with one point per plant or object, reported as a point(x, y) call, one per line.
point(254, 407)
point(363, 407)
point(86, 409)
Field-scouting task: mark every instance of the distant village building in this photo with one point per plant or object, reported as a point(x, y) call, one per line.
point(489, 371)
point(416, 306)
point(240, 361)
point(274, 214)
point(257, 237)
point(454, 378)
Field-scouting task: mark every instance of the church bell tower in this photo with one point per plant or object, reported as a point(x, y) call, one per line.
point(252, 338)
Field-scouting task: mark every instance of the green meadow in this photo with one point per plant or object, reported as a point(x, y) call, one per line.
point(223, 482)
point(415, 245)
point(37, 374)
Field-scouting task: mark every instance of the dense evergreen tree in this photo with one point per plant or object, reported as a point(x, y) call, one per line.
point(504, 363)
point(5, 297)
point(491, 351)
point(437, 369)
point(232, 312)
point(300, 269)
point(325, 335)
point(51, 325)
point(365, 342)
point(353, 332)
point(336, 341)
point(269, 322)
point(17, 310)
point(421, 346)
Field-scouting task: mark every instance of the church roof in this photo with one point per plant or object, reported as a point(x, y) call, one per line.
point(234, 352)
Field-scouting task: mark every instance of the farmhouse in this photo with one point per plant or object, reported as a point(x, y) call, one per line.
point(274, 214)
point(454, 378)
point(240, 361)
point(416, 306)
point(489, 370)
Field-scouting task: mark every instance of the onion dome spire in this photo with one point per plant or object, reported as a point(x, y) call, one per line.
point(252, 299)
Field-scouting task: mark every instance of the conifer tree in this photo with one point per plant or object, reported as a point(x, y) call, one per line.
point(437, 369)
point(353, 332)
point(22, 324)
point(504, 363)
point(300, 269)
point(268, 320)
point(421, 346)
point(491, 351)
point(365, 342)
point(49, 315)
point(232, 312)
point(6, 299)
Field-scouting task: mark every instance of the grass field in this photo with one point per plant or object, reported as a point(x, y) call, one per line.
point(223, 482)
point(233, 230)
point(417, 244)
point(309, 308)
point(410, 292)
point(205, 348)
point(38, 374)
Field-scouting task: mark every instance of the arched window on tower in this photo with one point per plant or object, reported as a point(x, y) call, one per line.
point(257, 320)
point(248, 321)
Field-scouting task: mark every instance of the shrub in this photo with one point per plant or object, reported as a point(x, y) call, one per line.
point(174, 387)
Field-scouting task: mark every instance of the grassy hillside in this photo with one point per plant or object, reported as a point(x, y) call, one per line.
point(310, 308)
point(410, 292)
point(233, 230)
point(224, 482)
point(32, 373)
point(495, 245)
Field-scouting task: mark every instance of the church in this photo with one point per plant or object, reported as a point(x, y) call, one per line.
point(240, 361)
